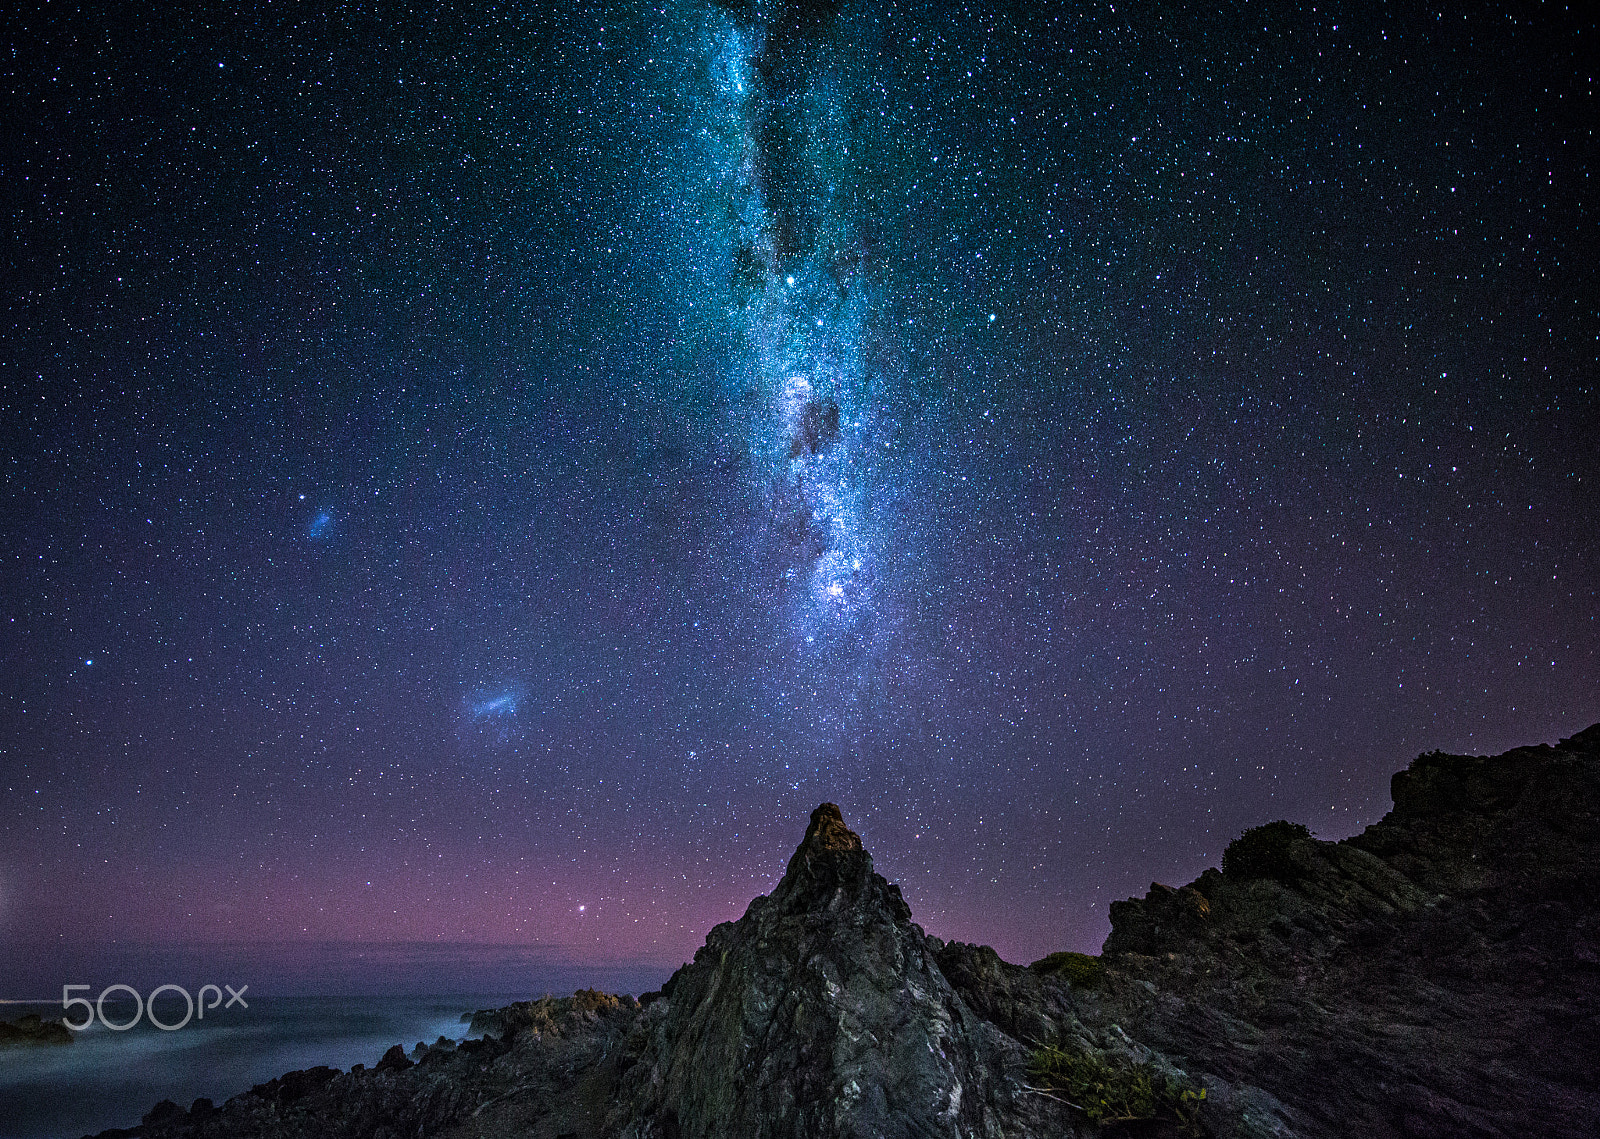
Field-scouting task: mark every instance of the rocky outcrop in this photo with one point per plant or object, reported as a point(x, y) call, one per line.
point(30, 1029)
point(550, 1075)
point(1436, 975)
point(544, 1016)
point(824, 1012)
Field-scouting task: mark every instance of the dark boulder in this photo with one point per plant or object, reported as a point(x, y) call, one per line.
point(29, 1029)
point(394, 1060)
point(161, 1113)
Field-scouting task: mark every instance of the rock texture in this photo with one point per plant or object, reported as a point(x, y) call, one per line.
point(551, 1075)
point(1437, 975)
point(823, 1012)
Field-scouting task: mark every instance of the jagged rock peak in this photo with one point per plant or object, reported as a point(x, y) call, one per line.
point(823, 1013)
point(829, 858)
point(827, 832)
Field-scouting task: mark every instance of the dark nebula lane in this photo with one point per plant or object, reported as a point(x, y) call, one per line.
point(804, 303)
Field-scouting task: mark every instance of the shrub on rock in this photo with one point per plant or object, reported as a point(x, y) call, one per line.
point(1266, 852)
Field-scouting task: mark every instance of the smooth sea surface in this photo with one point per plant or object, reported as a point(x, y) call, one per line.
point(109, 1079)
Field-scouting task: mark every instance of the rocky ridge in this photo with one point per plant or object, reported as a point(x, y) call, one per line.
point(1436, 975)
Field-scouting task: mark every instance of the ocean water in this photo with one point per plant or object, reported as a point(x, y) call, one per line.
point(109, 1079)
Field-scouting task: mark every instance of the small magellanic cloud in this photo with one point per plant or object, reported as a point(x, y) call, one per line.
point(320, 526)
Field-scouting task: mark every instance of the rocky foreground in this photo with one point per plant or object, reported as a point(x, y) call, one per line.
point(30, 1031)
point(1437, 975)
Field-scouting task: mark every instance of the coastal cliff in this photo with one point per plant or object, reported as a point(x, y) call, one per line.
point(1436, 975)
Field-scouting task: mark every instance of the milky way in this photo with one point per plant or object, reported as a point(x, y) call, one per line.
point(805, 303)
point(503, 460)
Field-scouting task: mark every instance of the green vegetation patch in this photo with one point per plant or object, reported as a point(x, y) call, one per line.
point(1081, 969)
point(1111, 1091)
point(1266, 852)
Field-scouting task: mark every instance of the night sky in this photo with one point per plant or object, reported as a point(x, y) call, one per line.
point(483, 474)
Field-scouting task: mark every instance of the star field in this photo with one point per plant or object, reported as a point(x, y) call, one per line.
point(483, 474)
